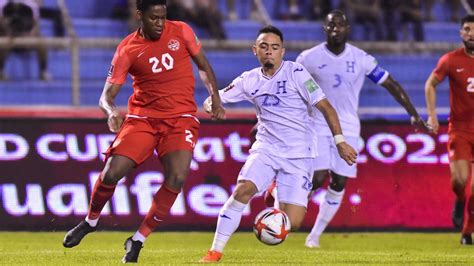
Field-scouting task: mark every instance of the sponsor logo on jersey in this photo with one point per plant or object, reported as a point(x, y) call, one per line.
point(173, 45)
point(311, 86)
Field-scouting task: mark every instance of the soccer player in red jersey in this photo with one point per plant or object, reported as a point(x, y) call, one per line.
point(458, 65)
point(161, 115)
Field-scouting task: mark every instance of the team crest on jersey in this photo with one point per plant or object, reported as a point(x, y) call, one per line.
point(173, 45)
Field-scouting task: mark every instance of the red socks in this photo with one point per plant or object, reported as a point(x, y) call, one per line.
point(469, 220)
point(100, 195)
point(162, 203)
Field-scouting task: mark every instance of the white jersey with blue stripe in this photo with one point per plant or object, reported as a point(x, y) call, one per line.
point(283, 103)
point(341, 77)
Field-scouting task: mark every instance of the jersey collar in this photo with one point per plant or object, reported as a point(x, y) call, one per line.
point(331, 53)
point(276, 72)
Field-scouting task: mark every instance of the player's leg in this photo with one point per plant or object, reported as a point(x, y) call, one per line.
point(116, 167)
point(328, 209)
point(294, 185)
point(468, 228)
point(335, 192)
point(133, 144)
point(459, 173)
point(459, 164)
point(319, 177)
point(176, 169)
point(177, 137)
point(256, 175)
point(295, 213)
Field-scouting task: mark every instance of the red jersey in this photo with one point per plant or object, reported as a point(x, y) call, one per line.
point(459, 68)
point(162, 73)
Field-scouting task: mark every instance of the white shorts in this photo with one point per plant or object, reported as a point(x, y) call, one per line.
point(328, 158)
point(293, 176)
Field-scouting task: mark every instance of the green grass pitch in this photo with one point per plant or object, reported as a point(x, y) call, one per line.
point(177, 248)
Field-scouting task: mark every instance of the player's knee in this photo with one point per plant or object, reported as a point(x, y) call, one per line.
point(176, 179)
point(458, 185)
point(338, 182)
point(244, 191)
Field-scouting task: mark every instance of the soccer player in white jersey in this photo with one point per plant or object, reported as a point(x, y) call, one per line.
point(283, 93)
point(340, 69)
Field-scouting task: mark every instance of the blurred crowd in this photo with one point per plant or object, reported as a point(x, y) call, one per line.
point(20, 18)
point(381, 20)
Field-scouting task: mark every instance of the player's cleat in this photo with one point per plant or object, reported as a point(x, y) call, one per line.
point(458, 214)
point(466, 239)
point(132, 249)
point(312, 242)
point(75, 235)
point(268, 196)
point(211, 256)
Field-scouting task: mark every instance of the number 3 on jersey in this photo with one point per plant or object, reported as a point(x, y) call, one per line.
point(166, 61)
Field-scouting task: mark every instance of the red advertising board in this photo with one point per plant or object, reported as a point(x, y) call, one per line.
point(48, 167)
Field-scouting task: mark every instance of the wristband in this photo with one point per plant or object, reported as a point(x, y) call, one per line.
point(339, 138)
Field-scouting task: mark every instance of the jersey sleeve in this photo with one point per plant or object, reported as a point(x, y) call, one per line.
point(441, 70)
point(234, 92)
point(193, 44)
point(119, 67)
point(307, 86)
point(373, 71)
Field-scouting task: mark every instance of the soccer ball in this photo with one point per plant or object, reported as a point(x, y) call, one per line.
point(271, 226)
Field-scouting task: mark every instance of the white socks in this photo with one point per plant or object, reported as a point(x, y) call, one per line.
point(276, 205)
point(138, 237)
point(327, 210)
point(92, 222)
point(227, 223)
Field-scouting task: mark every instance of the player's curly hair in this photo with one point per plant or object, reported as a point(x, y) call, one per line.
point(271, 29)
point(143, 5)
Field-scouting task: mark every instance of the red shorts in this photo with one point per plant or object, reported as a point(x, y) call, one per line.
point(460, 145)
point(139, 137)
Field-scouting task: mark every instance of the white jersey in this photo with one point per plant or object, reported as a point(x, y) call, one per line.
point(283, 103)
point(341, 77)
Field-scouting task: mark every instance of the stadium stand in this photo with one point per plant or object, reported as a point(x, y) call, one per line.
point(92, 21)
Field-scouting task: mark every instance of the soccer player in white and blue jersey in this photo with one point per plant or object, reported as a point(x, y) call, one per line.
point(284, 94)
point(340, 69)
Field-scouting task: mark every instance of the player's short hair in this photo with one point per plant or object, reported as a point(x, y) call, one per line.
point(337, 12)
point(143, 5)
point(467, 18)
point(271, 29)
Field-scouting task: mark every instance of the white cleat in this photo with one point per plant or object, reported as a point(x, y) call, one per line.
point(312, 243)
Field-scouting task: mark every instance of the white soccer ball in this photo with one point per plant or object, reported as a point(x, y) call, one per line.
point(271, 226)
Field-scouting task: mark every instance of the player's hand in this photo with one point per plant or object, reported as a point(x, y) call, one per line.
point(347, 153)
point(420, 124)
point(433, 123)
point(115, 121)
point(207, 105)
point(217, 110)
